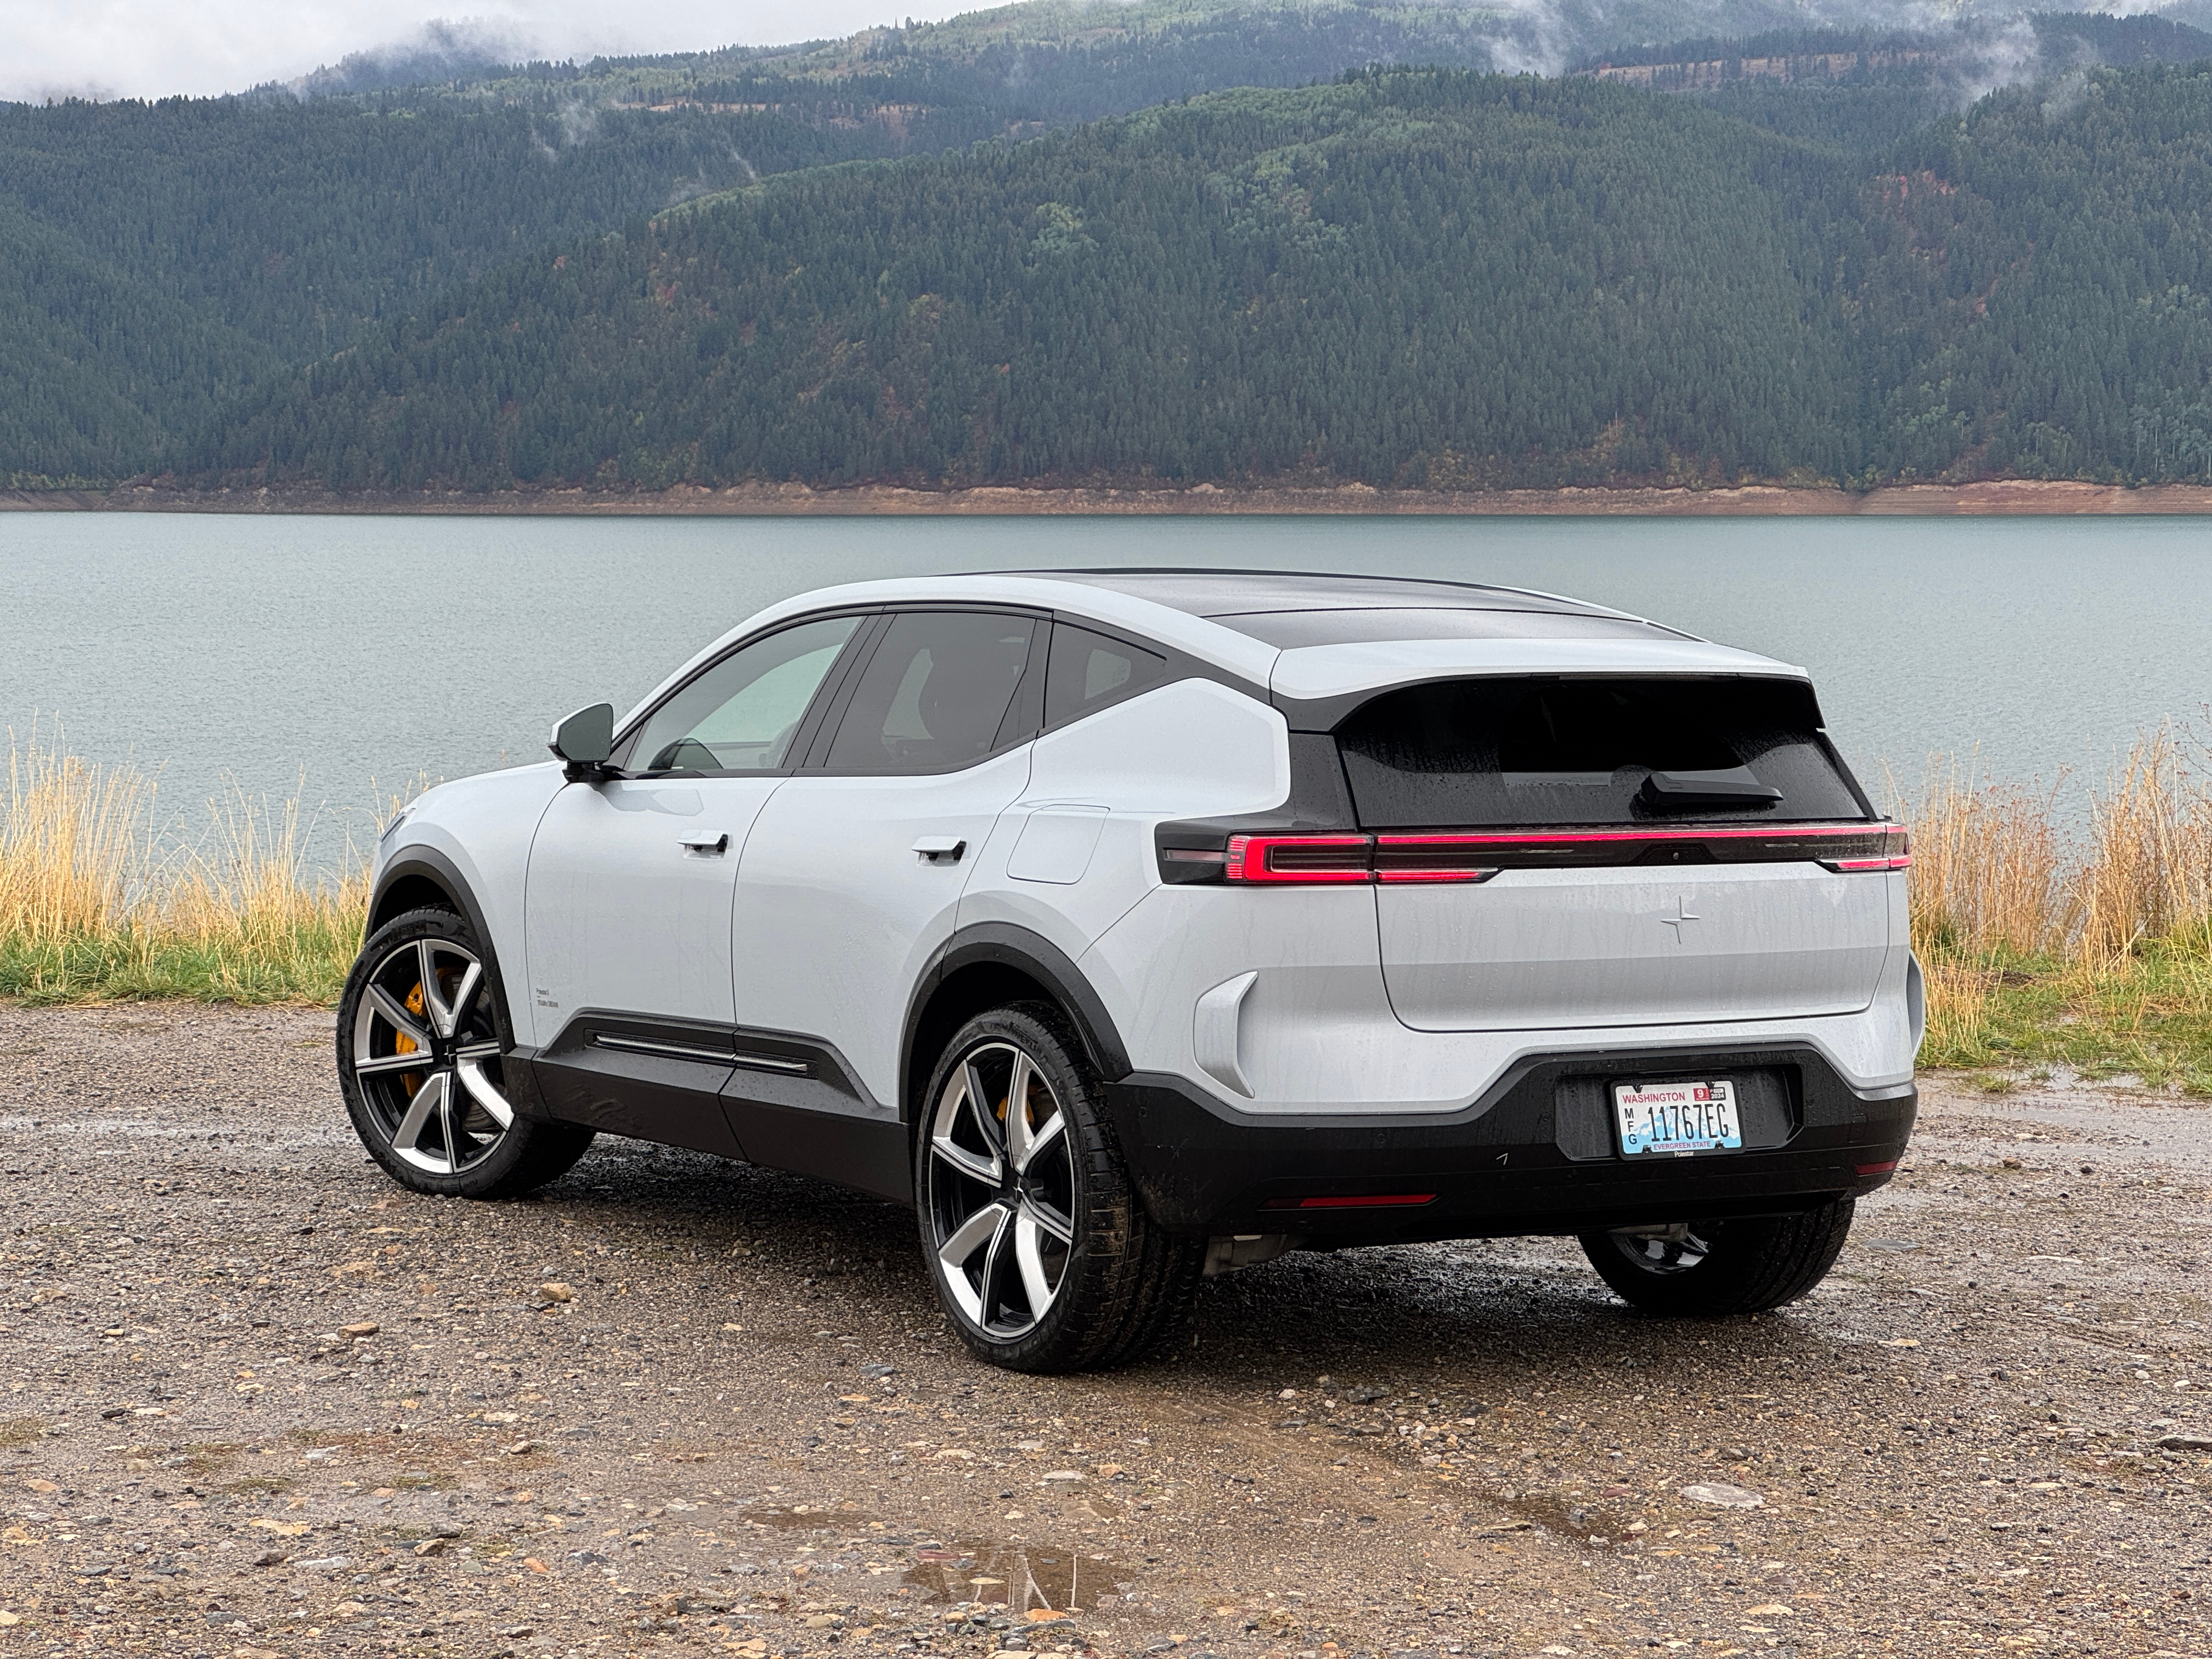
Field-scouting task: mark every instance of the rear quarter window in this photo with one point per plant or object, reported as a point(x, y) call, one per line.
point(1088, 671)
point(1543, 751)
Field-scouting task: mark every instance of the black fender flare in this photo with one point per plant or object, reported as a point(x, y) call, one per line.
point(429, 864)
point(1005, 943)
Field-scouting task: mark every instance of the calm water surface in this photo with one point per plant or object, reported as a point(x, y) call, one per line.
point(338, 657)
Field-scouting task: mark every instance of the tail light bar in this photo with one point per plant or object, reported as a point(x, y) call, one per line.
point(1274, 859)
point(1300, 858)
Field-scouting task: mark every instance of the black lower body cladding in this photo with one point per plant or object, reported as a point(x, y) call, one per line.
point(1535, 1155)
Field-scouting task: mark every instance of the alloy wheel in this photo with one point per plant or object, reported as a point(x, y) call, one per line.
point(1001, 1178)
point(426, 1056)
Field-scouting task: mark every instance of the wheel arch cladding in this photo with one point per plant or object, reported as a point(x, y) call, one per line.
point(990, 965)
point(412, 891)
point(423, 878)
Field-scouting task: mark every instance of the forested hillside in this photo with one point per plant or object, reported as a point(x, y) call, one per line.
point(1409, 278)
point(1768, 252)
point(155, 259)
point(1864, 89)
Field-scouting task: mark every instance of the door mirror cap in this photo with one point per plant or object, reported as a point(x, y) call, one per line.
point(584, 740)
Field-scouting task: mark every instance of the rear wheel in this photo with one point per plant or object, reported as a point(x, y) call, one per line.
point(1714, 1269)
point(1040, 1251)
point(421, 1041)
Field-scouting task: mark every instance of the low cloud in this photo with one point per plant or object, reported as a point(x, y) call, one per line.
point(158, 48)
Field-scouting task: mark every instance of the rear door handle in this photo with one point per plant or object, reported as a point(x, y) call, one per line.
point(940, 849)
point(713, 846)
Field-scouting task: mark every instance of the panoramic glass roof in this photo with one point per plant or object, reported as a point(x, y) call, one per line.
point(1295, 608)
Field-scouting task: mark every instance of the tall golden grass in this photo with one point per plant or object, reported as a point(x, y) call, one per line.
point(96, 901)
point(2088, 945)
point(2109, 923)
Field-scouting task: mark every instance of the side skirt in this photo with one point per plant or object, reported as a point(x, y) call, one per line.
point(777, 1099)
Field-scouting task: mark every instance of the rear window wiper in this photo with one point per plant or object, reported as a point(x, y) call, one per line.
point(1683, 789)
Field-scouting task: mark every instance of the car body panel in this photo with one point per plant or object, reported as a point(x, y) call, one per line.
point(483, 826)
point(1190, 747)
point(622, 914)
point(1318, 1034)
point(837, 915)
point(1571, 949)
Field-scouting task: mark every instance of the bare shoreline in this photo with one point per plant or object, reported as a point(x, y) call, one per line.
point(2000, 498)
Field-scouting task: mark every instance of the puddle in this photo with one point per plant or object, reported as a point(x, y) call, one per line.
point(1023, 1576)
point(1026, 1577)
point(805, 1517)
point(1577, 1519)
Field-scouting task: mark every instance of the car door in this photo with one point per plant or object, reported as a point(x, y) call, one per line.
point(851, 878)
point(628, 900)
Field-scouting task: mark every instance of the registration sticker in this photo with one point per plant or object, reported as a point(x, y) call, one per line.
point(1677, 1118)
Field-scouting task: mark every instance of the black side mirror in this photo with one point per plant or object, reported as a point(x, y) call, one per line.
point(584, 740)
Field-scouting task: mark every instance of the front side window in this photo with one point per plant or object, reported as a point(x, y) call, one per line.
point(935, 693)
point(742, 713)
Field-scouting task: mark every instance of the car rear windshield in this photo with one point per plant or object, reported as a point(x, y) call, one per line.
point(1521, 752)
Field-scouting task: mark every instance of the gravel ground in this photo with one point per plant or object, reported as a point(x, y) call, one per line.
point(261, 1401)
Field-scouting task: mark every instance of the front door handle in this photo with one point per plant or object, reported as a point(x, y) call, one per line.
point(940, 849)
point(712, 846)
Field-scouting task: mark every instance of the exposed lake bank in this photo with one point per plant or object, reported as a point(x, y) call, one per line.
point(2001, 497)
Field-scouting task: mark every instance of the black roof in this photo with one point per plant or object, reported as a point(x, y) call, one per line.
point(1289, 608)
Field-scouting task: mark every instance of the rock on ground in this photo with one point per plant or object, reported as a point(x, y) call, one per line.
point(260, 1400)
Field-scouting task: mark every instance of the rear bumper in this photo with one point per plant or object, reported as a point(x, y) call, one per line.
point(1537, 1154)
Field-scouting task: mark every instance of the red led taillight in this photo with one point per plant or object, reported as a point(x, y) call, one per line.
point(1350, 857)
point(1432, 858)
point(1300, 858)
point(1895, 854)
point(1468, 857)
point(1351, 1201)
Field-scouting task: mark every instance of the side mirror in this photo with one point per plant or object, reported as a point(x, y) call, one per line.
point(584, 740)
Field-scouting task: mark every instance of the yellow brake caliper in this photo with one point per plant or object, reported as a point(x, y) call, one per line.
point(403, 1044)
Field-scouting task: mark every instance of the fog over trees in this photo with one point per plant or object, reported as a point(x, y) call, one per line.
point(949, 254)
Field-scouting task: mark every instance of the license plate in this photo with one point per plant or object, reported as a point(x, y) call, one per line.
point(1679, 1120)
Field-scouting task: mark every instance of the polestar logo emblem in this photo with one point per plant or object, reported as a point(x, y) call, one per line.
point(1682, 914)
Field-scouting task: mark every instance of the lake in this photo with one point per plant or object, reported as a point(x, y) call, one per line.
point(337, 658)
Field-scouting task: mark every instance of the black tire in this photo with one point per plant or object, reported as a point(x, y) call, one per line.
point(1723, 1268)
point(455, 1144)
point(1118, 1285)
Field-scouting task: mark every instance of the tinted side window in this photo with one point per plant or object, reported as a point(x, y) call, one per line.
point(1088, 670)
point(1522, 753)
point(741, 714)
point(934, 694)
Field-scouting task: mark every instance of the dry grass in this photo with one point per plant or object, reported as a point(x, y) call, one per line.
point(95, 903)
point(2092, 950)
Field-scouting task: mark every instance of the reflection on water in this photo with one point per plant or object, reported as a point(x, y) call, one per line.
point(1023, 1577)
point(803, 1517)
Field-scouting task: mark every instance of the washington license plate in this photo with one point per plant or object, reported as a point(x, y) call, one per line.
point(1677, 1118)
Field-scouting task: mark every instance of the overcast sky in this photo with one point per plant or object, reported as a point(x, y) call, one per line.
point(147, 48)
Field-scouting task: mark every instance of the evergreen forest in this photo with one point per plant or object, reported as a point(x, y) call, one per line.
point(1180, 242)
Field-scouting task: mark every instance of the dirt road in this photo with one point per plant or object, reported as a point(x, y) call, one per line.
point(259, 1400)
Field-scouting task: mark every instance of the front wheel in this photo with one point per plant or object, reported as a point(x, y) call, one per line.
point(420, 1039)
point(1040, 1251)
point(1712, 1270)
